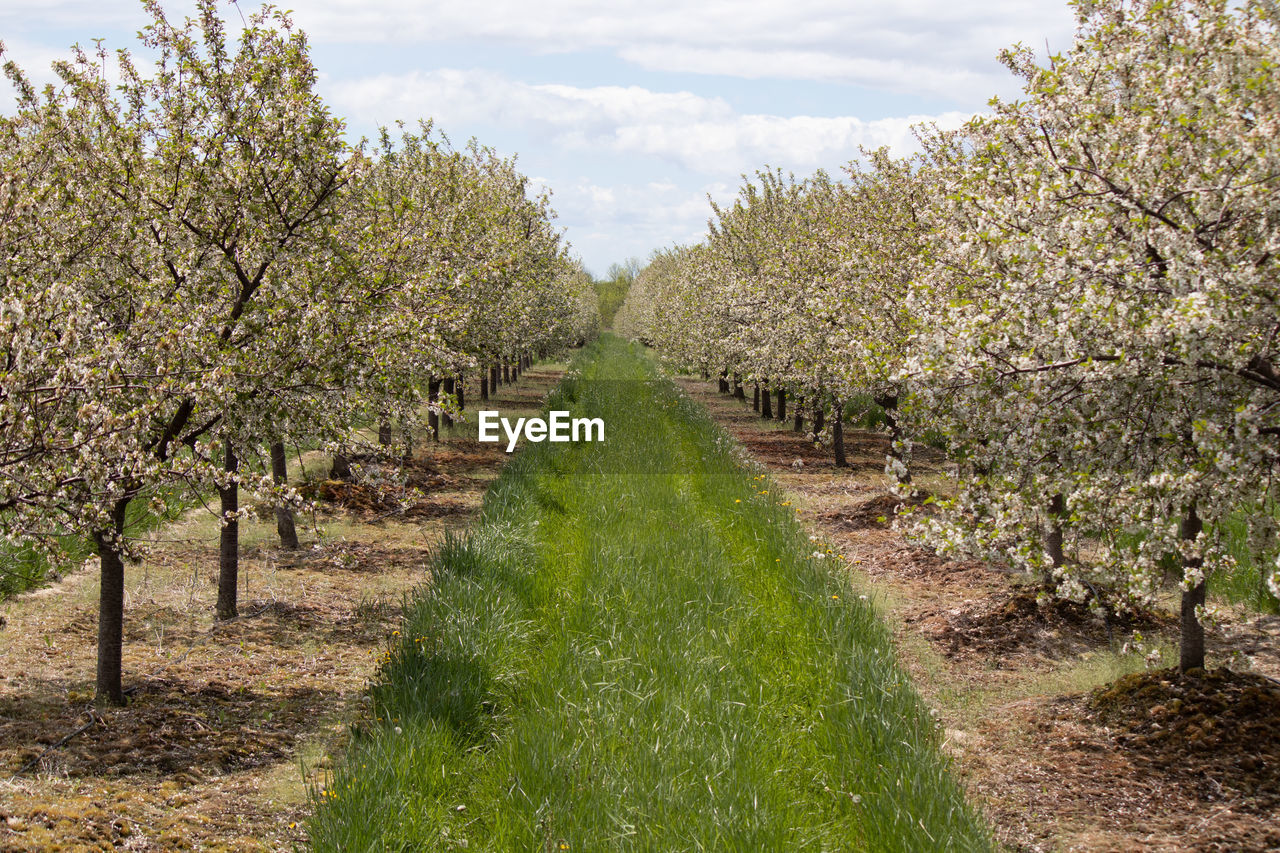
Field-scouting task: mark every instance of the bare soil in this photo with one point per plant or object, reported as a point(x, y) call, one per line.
point(1064, 740)
point(227, 723)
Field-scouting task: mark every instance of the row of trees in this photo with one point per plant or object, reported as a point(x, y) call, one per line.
point(199, 270)
point(1076, 295)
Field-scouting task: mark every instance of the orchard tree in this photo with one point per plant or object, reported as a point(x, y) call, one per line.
point(205, 180)
point(405, 225)
point(1104, 304)
point(876, 236)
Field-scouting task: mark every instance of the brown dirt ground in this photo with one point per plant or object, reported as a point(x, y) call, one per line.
point(1054, 764)
point(227, 723)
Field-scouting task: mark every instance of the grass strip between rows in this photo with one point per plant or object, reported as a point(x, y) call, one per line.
point(639, 649)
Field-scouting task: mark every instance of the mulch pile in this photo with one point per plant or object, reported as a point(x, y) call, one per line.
point(388, 491)
point(1220, 730)
point(1019, 621)
point(877, 513)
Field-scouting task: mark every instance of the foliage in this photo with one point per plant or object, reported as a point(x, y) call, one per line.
point(1103, 324)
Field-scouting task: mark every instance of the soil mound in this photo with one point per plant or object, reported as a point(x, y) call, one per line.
point(1021, 621)
point(877, 512)
point(387, 491)
point(1219, 729)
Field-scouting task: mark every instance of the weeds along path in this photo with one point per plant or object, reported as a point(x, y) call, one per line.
point(638, 649)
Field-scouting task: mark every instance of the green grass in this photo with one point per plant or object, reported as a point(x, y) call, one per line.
point(1246, 582)
point(638, 650)
point(24, 566)
point(610, 294)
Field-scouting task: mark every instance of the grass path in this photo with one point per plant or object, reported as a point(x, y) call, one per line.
point(638, 648)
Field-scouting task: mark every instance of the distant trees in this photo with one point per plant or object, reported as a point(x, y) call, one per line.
point(197, 268)
point(611, 291)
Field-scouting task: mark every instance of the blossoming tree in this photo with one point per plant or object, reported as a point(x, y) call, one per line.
point(1104, 355)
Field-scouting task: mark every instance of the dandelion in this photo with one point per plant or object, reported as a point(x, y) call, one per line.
point(737, 500)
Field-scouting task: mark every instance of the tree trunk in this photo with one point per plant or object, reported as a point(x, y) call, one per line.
point(738, 393)
point(1191, 647)
point(819, 417)
point(484, 386)
point(384, 433)
point(229, 537)
point(782, 404)
point(1053, 539)
point(506, 373)
point(111, 608)
point(284, 515)
point(766, 402)
point(448, 389)
point(433, 399)
point(755, 397)
point(837, 433)
point(341, 467)
point(494, 378)
point(799, 424)
point(724, 382)
point(459, 384)
point(889, 405)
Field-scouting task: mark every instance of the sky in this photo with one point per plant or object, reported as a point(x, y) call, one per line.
point(632, 113)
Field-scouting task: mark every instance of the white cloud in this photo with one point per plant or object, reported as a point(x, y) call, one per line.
point(83, 15)
point(35, 60)
point(893, 74)
point(701, 134)
point(924, 46)
point(607, 151)
point(609, 223)
point(932, 47)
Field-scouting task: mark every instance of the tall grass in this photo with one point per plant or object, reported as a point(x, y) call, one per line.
point(24, 566)
point(1246, 582)
point(640, 649)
